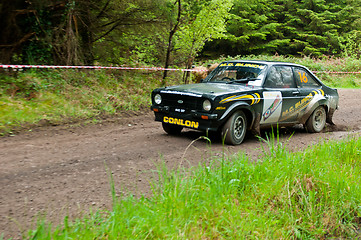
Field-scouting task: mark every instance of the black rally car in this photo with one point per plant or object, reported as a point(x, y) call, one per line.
point(247, 95)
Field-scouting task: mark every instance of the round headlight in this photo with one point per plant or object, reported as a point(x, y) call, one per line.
point(157, 99)
point(207, 105)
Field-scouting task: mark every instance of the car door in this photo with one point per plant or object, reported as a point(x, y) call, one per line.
point(308, 87)
point(280, 96)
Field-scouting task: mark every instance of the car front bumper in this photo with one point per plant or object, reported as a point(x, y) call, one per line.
point(194, 119)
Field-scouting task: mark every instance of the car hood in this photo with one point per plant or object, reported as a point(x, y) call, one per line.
point(208, 89)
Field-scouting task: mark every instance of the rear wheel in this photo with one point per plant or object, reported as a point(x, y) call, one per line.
point(171, 128)
point(235, 128)
point(317, 120)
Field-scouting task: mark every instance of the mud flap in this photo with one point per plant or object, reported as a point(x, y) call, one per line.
point(329, 116)
point(256, 130)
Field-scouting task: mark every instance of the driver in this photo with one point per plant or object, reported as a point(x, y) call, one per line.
point(244, 75)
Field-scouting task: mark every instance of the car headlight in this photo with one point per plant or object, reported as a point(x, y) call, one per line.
point(207, 105)
point(158, 99)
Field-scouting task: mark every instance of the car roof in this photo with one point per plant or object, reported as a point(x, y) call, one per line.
point(266, 62)
point(272, 63)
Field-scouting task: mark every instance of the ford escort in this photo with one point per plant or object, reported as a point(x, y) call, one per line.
point(240, 96)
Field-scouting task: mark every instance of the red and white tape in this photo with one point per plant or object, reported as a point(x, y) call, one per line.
point(329, 72)
point(131, 68)
point(98, 67)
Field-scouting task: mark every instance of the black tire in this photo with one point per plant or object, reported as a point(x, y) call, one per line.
point(317, 121)
point(234, 130)
point(171, 128)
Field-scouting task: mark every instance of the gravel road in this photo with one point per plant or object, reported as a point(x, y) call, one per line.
point(56, 171)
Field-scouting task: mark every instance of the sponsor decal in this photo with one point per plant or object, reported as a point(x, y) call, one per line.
point(250, 65)
point(255, 98)
point(226, 65)
point(272, 106)
point(276, 103)
point(301, 104)
point(220, 108)
point(181, 122)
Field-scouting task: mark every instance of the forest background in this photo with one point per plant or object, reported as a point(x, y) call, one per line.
point(174, 32)
point(324, 35)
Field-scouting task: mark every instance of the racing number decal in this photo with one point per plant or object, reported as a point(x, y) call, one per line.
point(272, 107)
point(303, 77)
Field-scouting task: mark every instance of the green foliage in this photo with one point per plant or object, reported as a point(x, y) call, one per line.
point(351, 44)
point(310, 28)
point(312, 194)
point(209, 24)
point(38, 50)
point(136, 32)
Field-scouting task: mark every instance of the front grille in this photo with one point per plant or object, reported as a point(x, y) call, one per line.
point(174, 101)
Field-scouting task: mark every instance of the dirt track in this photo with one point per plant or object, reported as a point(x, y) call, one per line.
point(61, 170)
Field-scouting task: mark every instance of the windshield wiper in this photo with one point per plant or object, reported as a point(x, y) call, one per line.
point(243, 80)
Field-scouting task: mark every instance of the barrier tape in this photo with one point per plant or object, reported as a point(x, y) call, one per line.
point(131, 68)
point(329, 72)
point(98, 67)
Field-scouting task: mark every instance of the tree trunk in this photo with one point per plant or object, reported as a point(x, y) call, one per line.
point(169, 48)
point(187, 73)
point(86, 35)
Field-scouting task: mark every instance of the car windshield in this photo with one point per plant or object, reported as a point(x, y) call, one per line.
point(238, 72)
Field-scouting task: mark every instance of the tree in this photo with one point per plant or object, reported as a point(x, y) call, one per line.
point(12, 32)
point(71, 31)
point(130, 29)
point(252, 27)
point(208, 24)
point(289, 27)
point(173, 29)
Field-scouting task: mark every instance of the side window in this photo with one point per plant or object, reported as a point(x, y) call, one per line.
point(280, 77)
point(304, 79)
point(287, 76)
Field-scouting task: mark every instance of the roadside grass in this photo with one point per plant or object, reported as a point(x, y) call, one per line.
point(57, 96)
point(313, 194)
point(63, 96)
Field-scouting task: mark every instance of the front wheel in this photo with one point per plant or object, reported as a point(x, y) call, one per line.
point(171, 128)
point(234, 130)
point(317, 120)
